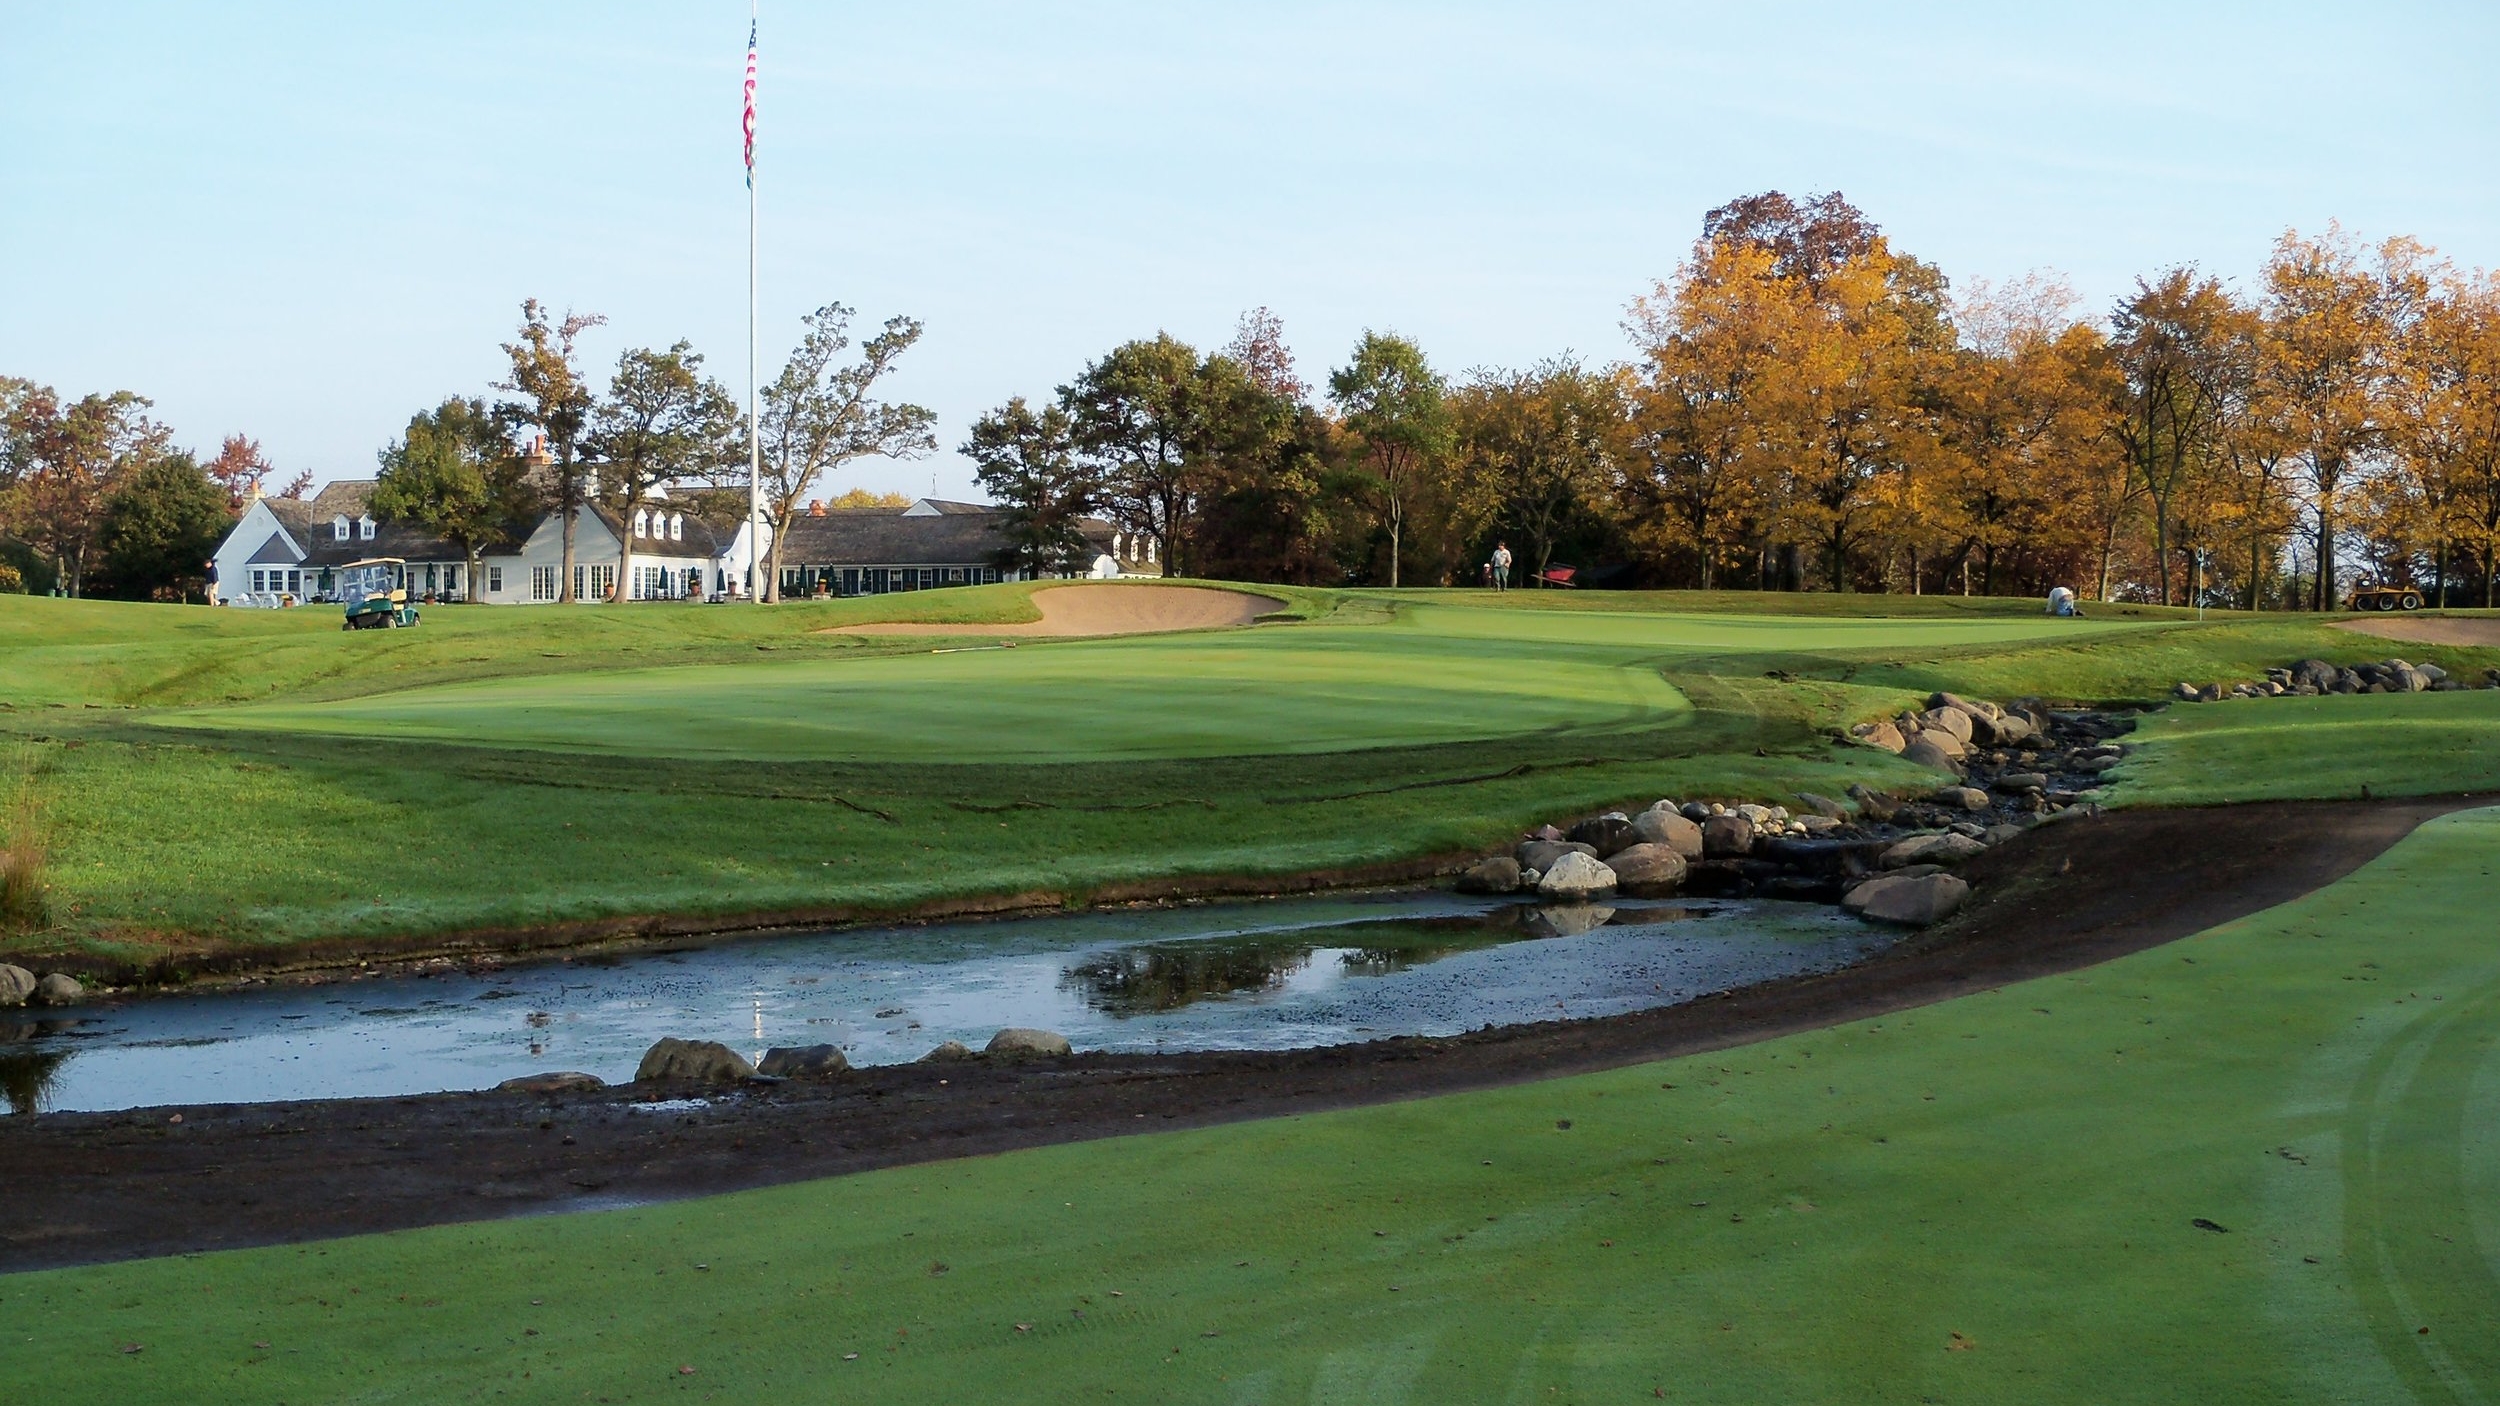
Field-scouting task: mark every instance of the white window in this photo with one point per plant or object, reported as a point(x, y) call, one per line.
point(542, 583)
point(677, 527)
point(338, 528)
point(364, 529)
point(494, 580)
point(642, 524)
point(593, 582)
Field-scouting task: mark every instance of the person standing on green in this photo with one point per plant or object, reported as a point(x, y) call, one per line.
point(1501, 566)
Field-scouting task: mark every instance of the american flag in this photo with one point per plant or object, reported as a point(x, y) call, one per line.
point(750, 114)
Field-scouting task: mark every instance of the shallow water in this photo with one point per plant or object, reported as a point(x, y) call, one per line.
point(1267, 975)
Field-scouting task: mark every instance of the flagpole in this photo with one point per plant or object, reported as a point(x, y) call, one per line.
point(755, 438)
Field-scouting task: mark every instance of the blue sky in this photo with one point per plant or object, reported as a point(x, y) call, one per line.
point(305, 222)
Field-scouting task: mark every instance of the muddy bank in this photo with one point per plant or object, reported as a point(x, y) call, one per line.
point(94, 1187)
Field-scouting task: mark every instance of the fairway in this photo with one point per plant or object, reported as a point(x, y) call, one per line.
point(2428, 744)
point(1995, 1199)
point(1432, 674)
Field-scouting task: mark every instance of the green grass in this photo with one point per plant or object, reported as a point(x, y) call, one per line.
point(223, 780)
point(2428, 744)
point(1987, 1200)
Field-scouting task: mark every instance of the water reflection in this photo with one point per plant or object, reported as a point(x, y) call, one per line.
point(28, 1077)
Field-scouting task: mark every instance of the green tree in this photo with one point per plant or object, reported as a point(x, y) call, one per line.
point(160, 525)
point(820, 414)
point(1151, 419)
point(1396, 411)
point(454, 473)
point(1539, 450)
point(558, 401)
point(1027, 463)
point(663, 421)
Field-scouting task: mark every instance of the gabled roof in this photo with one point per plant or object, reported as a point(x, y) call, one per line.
point(966, 535)
point(702, 538)
point(940, 507)
point(275, 550)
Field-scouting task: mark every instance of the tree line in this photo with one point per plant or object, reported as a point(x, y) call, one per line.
point(1806, 407)
point(1803, 407)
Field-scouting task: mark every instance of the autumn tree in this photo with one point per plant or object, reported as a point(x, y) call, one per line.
point(557, 400)
point(2448, 431)
point(1258, 348)
point(1713, 343)
point(239, 468)
point(65, 461)
point(662, 421)
point(1396, 415)
point(2173, 341)
point(1026, 461)
point(454, 473)
point(2333, 318)
point(821, 412)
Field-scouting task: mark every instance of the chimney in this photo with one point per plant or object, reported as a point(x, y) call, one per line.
point(815, 507)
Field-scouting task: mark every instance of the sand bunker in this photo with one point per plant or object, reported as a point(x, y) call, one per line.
point(1072, 611)
point(2477, 633)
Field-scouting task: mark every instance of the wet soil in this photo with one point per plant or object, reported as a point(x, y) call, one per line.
point(91, 1187)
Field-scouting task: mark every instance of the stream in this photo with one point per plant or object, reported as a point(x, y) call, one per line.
point(1272, 974)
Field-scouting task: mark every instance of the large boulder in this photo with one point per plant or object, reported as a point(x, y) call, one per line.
point(1648, 870)
point(2021, 781)
point(1961, 798)
point(675, 1061)
point(2314, 673)
point(1016, 1041)
point(948, 1052)
point(1883, 734)
point(1927, 754)
point(1823, 806)
point(2012, 729)
point(1575, 877)
point(804, 1062)
point(59, 989)
point(1727, 837)
point(1605, 834)
point(1931, 849)
point(1665, 827)
point(562, 1081)
point(1542, 854)
point(1953, 722)
point(1908, 902)
point(16, 984)
point(1500, 874)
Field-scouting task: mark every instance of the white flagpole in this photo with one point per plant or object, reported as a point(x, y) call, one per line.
point(755, 438)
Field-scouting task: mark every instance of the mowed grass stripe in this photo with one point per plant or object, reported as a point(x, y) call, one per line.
point(1988, 1200)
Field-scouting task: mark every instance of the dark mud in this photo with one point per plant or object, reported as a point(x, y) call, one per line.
point(90, 1187)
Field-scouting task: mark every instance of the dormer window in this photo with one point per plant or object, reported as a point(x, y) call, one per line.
point(642, 524)
point(338, 528)
point(364, 529)
point(677, 527)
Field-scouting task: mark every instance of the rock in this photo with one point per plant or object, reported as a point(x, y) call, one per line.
point(1815, 824)
point(947, 1052)
point(1528, 878)
point(1665, 827)
point(16, 984)
point(1824, 806)
point(1951, 721)
point(2094, 766)
point(1576, 876)
point(1605, 834)
point(1545, 832)
point(2020, 781)
point(1759, 815)
point(1648, 870)
point(1886, 736)
point(1877, 806)
point(1017, 1041)
point(2186, 692)
point(2313, 673)
point(1825, 858)
point(2433, 672)
point(1541, 854)
point(804, 1062)
point(1570, 919)
point(1695, 811)
point(563, 1081)
point(2013, 730)
point(1961, 798)
point(1726, 836)
point(1928, 754)
point(1500, 874)
point(1931, 849)
point(58, 989)
point(692, 1062)
point(1999, 834)
point(1909, 902)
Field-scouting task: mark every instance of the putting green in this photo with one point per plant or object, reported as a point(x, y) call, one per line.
point(2254, 1165)
point(1434, 674)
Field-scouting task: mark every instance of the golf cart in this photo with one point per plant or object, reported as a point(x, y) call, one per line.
point(2371, 595)
point(375, 599)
